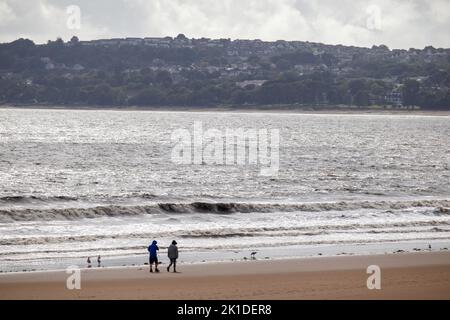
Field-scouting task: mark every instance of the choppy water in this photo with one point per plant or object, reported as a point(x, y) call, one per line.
point(79, 183)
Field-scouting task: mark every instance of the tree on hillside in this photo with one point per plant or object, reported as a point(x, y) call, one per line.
point(411, 93)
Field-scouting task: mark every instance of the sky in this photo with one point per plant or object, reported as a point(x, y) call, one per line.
point(399, 24)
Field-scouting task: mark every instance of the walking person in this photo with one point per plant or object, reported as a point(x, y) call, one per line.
point(172, 253)
point(153, 250)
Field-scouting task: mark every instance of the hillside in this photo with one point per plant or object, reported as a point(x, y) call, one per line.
point(205, 72)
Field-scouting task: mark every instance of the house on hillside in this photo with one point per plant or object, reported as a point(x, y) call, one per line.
point(395, 97)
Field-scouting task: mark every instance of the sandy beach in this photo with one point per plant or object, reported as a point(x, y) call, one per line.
point(403, 276)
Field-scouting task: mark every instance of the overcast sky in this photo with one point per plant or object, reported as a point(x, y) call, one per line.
point(396, 23)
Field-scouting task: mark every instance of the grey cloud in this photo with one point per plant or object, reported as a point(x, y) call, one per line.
point(404, 23)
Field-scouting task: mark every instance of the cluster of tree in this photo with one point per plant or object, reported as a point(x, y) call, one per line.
point(23, 55)
point(120, 76)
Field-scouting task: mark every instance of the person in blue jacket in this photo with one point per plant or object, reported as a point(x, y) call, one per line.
point(153, 250)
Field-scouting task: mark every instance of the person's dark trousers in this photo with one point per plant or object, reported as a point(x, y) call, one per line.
point(155, 261)
point(174, 263)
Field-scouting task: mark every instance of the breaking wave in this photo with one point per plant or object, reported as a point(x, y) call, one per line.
point(12, 200)
point(439, 207)
point(373, 228)
point(27, 199)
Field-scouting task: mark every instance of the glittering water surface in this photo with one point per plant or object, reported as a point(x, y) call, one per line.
point(78, 183)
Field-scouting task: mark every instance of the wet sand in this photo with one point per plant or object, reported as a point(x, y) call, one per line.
point(403, 276)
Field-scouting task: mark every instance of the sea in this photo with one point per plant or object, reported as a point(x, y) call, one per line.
point(82, 183)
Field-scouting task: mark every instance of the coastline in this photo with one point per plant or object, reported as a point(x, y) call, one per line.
point(219, 256)
point(403, 276)
point(282, 109)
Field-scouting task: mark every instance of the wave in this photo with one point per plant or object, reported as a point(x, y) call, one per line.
point(5, 200)
point(26, 199)
point(141, 250)
point(355, 228)
point(440, 207)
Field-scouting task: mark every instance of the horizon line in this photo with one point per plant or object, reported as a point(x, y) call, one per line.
point(228, 39)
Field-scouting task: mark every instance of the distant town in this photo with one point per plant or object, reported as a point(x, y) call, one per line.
point(211, 72)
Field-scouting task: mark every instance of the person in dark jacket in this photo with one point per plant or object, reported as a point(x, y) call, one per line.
point(153, 250)
point(172, 253)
